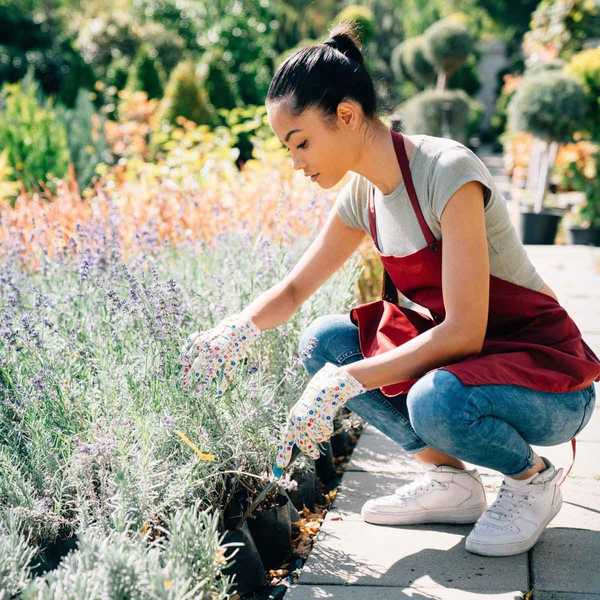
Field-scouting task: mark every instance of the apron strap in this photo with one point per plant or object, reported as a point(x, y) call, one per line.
point(573, 451)
point(400, 148)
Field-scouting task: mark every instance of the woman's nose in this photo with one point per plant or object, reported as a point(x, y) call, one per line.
point(297, 163)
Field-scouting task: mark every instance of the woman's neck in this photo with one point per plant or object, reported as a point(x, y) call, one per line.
point(377, 160)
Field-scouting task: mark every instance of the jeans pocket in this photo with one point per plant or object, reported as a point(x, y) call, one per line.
point(589, 409)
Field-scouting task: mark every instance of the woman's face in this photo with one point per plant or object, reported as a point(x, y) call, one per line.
point(322, 149)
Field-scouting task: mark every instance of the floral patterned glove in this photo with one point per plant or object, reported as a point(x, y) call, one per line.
point(311, 418)
point(222, 347)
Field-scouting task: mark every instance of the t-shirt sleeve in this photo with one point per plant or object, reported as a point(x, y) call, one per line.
point(350, 203)
point(454, 167)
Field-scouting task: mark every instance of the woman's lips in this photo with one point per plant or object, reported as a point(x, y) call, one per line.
point(314, 177)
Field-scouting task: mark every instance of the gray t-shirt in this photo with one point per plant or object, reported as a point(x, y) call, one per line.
point(439, 167)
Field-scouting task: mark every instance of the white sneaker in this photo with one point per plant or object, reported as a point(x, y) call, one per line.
point(443, 495)
point(518, 516)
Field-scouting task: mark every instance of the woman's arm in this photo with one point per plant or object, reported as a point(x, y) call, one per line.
point(465, 287)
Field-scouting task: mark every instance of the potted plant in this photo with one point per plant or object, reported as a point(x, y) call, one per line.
point(551, 106)
point(583, 176)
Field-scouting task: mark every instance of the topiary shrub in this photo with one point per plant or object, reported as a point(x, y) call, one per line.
point(362, 18)
point(186, 96)
point(448, 44)
point(585, 67)
point(146, 73)
point(409, 57)
point(550, 105)
point(219, 82)
point(446, 113)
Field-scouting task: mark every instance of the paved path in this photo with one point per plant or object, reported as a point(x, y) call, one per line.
point(353, 560)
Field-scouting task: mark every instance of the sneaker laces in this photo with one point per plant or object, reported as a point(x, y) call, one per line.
point(509, 502)
point(420, 486)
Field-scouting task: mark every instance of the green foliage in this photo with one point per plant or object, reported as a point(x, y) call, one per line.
point(549, 105)
point(245, 124)
point(362, 18)
point(448, 44)
point(562, 27)
point(575, 178)
point(447, 113)
point(466, 77)
point(220, 84)
point(8, 187)
point(86, 139)
point(585, 67)
point(35, 140)
point(106, 38)
point(16, 556)
point(186, 96)
point(413, 61)
point(123, 565)
point(35, 42)
point(146, 74)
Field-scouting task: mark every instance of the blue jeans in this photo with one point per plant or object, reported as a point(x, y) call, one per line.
point(488, 425)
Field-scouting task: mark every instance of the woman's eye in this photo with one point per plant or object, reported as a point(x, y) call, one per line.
point(303, 144)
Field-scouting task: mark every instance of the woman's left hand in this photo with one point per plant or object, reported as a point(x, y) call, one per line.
point(311, 418)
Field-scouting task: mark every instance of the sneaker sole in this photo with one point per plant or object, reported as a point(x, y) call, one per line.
point(455, 517)
point(509, 549)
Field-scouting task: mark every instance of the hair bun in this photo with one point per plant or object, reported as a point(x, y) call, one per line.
point(347, 44)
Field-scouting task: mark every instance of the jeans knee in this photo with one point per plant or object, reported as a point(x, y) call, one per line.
point(315, 341)
point(433, 407)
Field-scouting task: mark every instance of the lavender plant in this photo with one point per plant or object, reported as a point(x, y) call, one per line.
point(98, 437)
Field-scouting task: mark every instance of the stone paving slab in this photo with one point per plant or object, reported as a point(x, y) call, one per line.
point(567, 560)
point(544, 595)
point(424, 556)
point(342, 592)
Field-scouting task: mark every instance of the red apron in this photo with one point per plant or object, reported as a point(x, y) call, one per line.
point(530, 339)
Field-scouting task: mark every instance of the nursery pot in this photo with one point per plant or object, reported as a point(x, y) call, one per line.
point(52, 553)
point(272, 532)
point(589, 236)
point(247, 566)
point(325, 468)
point(539, 228)
point(341, 443)
point(306, 492)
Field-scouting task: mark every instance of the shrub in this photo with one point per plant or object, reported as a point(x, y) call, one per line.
point(448, 44)
point(86, 138)
point(146, 74)
point(35, 140)
point(186, 96)
point(549, 105)
point(220, 84)
point(362, 18)
point(412, 58)
point(560, 28)
point(585, 67)
point(447, 113)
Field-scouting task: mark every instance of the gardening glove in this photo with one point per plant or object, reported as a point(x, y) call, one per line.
point(222, 347)
point(311, 418)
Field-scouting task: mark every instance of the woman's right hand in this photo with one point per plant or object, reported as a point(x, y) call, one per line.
point(206, 353)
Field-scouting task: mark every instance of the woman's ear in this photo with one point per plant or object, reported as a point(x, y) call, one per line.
point(347, 113)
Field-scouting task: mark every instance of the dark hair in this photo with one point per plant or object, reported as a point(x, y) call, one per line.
point(324, 74)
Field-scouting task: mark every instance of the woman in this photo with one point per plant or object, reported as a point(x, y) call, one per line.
point(498, 365)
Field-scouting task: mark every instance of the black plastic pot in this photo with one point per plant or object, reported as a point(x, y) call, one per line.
point(247, 565)
point(539, 228)
point(306, 492)
point(341, 443)
point(325, 468)
point(589, 236)
point(52, 553)
point(272, 532)
point(234, 511)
